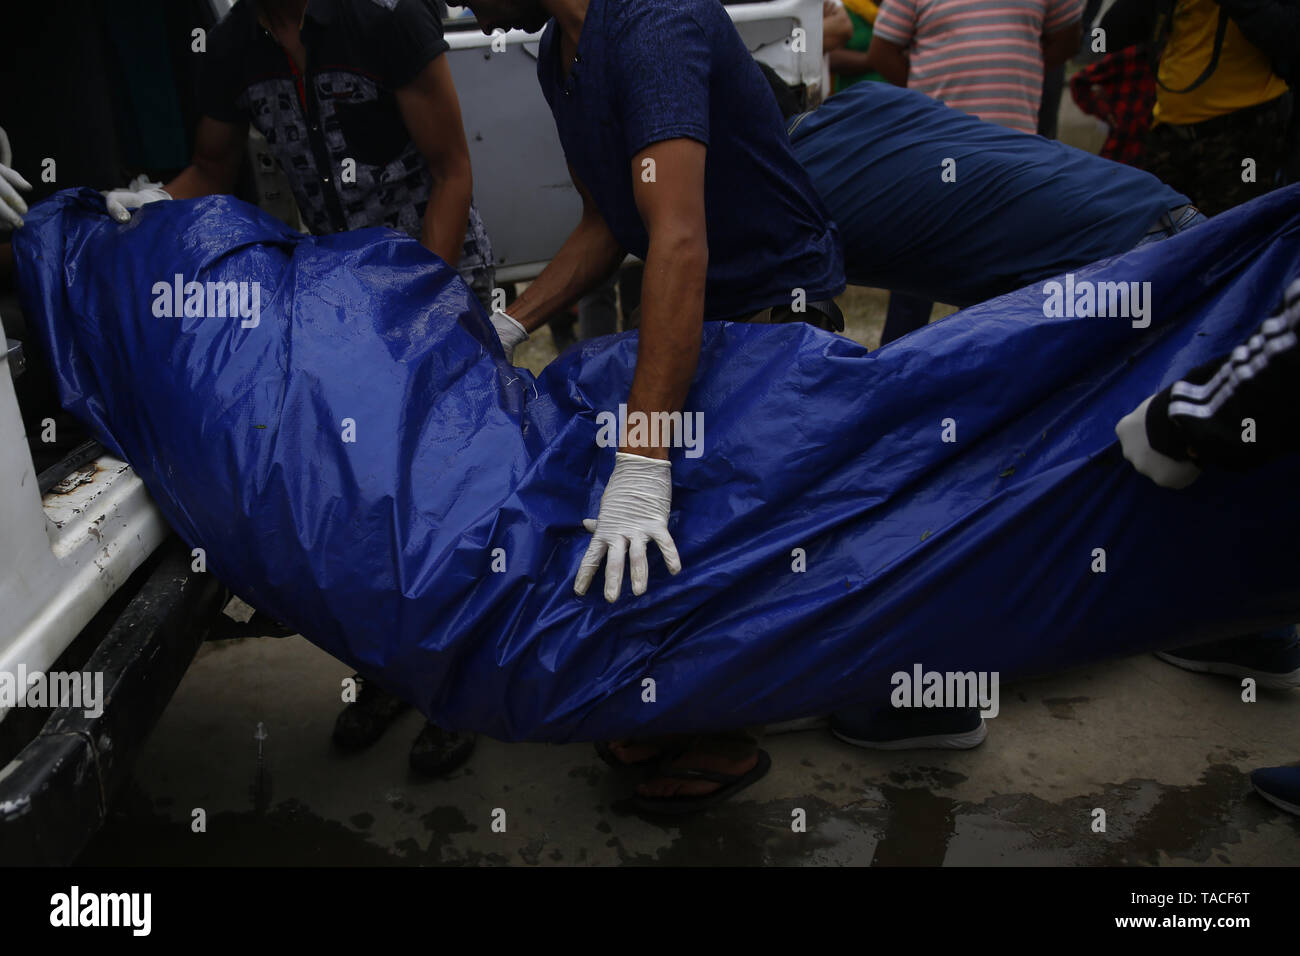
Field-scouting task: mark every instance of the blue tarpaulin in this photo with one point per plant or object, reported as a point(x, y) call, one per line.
point(829, 533)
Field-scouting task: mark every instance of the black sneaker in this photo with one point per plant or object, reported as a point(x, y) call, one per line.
point(1272, 658)
point(437, 751)
point(1280, 786)
point(908, 728)
point(364, 721)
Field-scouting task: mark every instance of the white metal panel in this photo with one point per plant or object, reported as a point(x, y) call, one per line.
point(61, 559)
point(521, 181)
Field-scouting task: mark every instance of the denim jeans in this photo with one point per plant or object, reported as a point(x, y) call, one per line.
point(907, 313)
point(1171, 223)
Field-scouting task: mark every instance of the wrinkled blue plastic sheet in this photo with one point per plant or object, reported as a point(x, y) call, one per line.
point(973, 554)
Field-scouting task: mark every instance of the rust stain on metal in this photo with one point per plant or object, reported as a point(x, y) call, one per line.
point(82, 476)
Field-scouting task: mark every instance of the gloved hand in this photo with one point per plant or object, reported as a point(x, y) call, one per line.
point(141, 191)
point(12, 205)
point(1133, 442)
point(510, 332)
point(633, 511)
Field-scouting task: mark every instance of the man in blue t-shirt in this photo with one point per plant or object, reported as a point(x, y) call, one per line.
point(933, 202)
point(681, 158)
point(680, 155)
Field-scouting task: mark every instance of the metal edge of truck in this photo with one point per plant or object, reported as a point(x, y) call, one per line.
point(55, 794)
point(79, 544)
point(66, 549)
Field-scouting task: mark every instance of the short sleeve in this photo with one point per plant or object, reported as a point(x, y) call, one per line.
point(896, 22)
point(661, 96)
point(414, 38)
point(219, 83)
point(1061, 14)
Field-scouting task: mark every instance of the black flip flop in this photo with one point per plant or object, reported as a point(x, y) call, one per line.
point(732, 785)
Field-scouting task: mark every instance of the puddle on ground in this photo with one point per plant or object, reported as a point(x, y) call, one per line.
point(909, 819)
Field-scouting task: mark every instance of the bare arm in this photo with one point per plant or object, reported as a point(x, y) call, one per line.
point(218, 151)
point(672, 294)
point(1058, 47)
point(431, 112)
point(850, 62)
point(888, 60)
point(837, 28)
point(588, 257)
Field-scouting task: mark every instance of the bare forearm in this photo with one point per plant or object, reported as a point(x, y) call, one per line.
point(447, 215)
point(588, 257)
point(672, 320)
point(1058, 47)
point(888, 60)
point(199, 179)
point(850, 62)
point(837, 28)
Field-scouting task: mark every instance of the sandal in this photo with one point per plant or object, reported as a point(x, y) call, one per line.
point(606, 753)
point(732, 784)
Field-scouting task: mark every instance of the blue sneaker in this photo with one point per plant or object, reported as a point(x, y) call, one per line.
point(1272, 658)
point(906, 728)
point(1280, 786)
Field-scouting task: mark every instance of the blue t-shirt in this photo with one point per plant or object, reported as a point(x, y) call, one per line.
point(653, 70)
point(1019, 207)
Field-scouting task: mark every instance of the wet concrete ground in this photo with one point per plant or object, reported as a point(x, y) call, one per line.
point(1165, 753)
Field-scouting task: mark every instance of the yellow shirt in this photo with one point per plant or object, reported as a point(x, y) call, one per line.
point(1244, 76)
point(866, 9)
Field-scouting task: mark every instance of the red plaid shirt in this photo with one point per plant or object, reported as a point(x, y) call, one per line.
point(1120, 89)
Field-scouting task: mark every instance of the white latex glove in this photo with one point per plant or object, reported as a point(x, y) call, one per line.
point(12, 205)
point(510, 332)
point(1133, 442)
point(633, 511)
point(141, 191)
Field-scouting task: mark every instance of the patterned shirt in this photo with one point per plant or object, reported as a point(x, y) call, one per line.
point(341, 107)
point(984, 57)
point(1120, 88)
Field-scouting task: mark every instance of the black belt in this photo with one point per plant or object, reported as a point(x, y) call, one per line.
point(824, 314)
point(1274, 111)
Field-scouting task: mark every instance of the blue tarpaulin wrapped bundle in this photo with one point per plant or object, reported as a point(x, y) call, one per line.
point(830, 536)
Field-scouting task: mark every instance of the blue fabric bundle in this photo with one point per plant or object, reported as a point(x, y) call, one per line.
point(829, 534)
